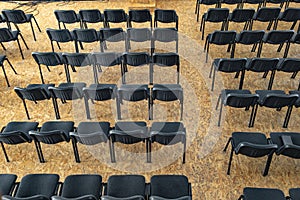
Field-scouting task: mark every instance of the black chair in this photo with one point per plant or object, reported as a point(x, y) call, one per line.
point(129, 133)
point(139, 35)
point(51, 132)
point(265, 15)
point(241, 16)
point(205, 2)
point(112, 35)
point(98, 92)
point(277, 38)
point(114, 16)
point(237, 99)
point(48, 59)
point(264, 65)
point(15, 133)
point(133, 93)
point(289, 15)
point(105, 59)
point(294, 193)
point(81, 186)
point(33, 92)
point(289, 65)
point(59, 35)
point(7, 35)
point(168, 133)
point(220, 38)
point(2, 59)
point(36, 186)
point(262, 193)
point(275, 99)
point(126, 187)
point(90, 133)
point(134, 59)
point(85, 36)
point(289, 112)
point(7, 183)
point(215, 15)
point(139, 16)
point(166, 92)
point(253, 145)
point(76, 60)
point(90, 16)
point(19, 17)
point(165, 60)
point(228, 65)
point(66, 17)
point(170, 187)
point(165, 16)
point(250, 38)
point(65, 92)
point(294, 40)
point(165, 35)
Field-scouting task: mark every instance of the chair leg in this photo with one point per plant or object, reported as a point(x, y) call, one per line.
point(242, 80)
point(254, 47)
point(230, 161)
point(271, 80)
point(39, 151)
point(4, 151)
point(149, 151)
point(275, 25)
point(294, 75)
point(75, 149)
point(220, 115)
point(95, 71)
point(269, 160)
point(178, 73)
point(87, 109)
point(113, 157)
point(184, 150)
point(67, 71)
point(207, 51)
point(213, 80)
point(270, 25)
point(181, 108)
point(41, 74)
point(254, 115)
point(151, 71)
point(211, 68)
point(203, 30)
point(251, 117)
point(287, 116)
point(20, 49)
point(22, 38)
point(26, 110)
point(32, 31)
point(218, 102)
point(241, 197)
point(3, 46)
point(37, 25)
point(118, 108)
point(5, 76)
point(259, 49)
point(227, 144)
point(55, 105)
point(286, 51)
point(11, 66)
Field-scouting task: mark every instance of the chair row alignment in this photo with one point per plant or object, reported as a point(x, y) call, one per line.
point(251, 193)
point(92, 133)
point(92, 187)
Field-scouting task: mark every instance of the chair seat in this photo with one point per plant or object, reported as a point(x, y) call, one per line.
point(167, 133)
point(78, 85)
point(102, 86)
point(263, 193)
point(167, 87)
point(294, 193)
point(44, 86)
point(130, 132)
point(7, 182)
point(263, 93)
point(250, 137)
point(227, 92)
point(20, 126)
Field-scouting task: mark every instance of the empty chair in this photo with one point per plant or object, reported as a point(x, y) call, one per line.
point(274, 99)
point(289, 65)
point(90, 16)
point(66, 17)
point(170, 187)
point(135, 59)
point(112, 35)
point(114, 16)
point(59, 36)
point(294, 40)
point(215, 15)
point(165, 60)
point(47, 59)
point(19, 17)
point(133, 93)
point(36, 186)
point(165, 16)
point(251, 144)
point(228, 65)
point(2, 59)
point(265, 15)
point(125, 187)
point(128, 133)
point(90, 133)
point(81, 186)
point(7, 183)
point(139, 35)
point(294, 193)
point(98, 92)
point(33, 92)
point(15, 133)
point(65, 92)
point(237, 99)
point(168, 133)
point(262, 193)
point(220, 38)
point(164, 35)
point(166, 92)
point(241, 16)
point(51, 132)
point(205, 2)
point(139, 16)
point(7, 35)
point(105, 59)
point(86, 36)
point(289, 15)
point(263, 65)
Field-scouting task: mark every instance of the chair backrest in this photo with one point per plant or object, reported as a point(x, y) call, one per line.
point(133, 92)
point(129, 132)
point(34, 93)
point(169, 186)
point(59, 35)
point(85, 35)
point(217, 14)
point(47, 58)
point(279, 100)
point(222, 37)
point(5, 35)
point(278, 37)
point(115, 15)
point(112, 34)
point(242, 15)
point(290, 14)
point(14, 16)
point(263, 193)
point(165, 34)
point(7, 183)
point(140, 16)
point(167, 92)
point(231, 64)
point(100, 92)
point(136, 58)
point(267, 14)
point(250, 37)
point(168, 133)
point(165, 16)
point(241, 100)
point(77, 59)
point(139, 34)
point(91, 133)
point(289, 65)
point(262, 64)
point(166, 59)
point(38, 184)
point(82, 184)
point(68, 92)
point(91, 16)
point(66, 16)
point(106, 59)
